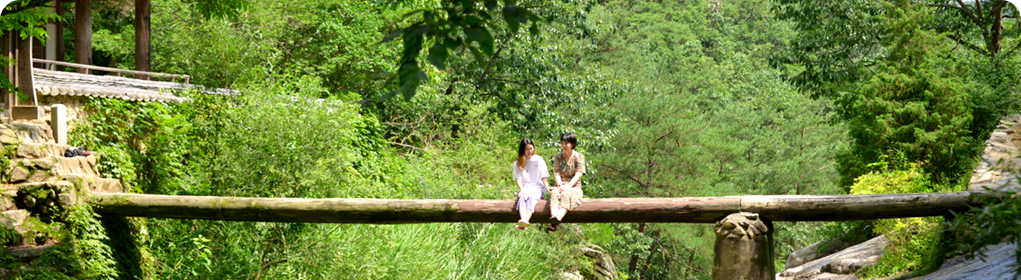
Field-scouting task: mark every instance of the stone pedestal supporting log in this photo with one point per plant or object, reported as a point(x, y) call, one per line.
point(744, 248)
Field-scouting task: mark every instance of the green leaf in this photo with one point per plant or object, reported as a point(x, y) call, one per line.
point(418, 31)
point(478, 55)
point(512, 12)
point(481, 35)
point(534, 29)
point(451, 43)
point(394, 35)
point(491, 4)
point(438, 56)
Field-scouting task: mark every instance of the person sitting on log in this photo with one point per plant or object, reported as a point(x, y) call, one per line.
point(567, 165)
point(530, 174)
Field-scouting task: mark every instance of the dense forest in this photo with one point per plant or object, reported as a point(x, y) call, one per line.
point(358, 99)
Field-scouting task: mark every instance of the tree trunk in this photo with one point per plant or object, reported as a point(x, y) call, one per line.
point(604, 210)
point(634, 258)
point(83, 33)
point(143, 48)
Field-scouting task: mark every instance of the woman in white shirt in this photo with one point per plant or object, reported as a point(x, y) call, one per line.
point(530, 175)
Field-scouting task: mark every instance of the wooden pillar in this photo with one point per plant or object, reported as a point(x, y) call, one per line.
point(143, 46)
point(59, 40)
point(25, 69)
point(744, 248)
point(83, 33)
point(8, 69)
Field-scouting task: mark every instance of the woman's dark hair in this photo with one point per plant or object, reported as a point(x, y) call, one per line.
point(570, 138)
point(521, 152)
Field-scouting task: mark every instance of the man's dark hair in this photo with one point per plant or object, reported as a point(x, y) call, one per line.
point(570, 138)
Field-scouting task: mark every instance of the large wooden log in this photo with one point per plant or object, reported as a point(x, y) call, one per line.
point(603, 210)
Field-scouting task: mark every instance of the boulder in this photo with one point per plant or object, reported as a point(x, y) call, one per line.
point(997, 264)
point(36, 131)
point(603, 267)
point(67, 200)
point(30, 253)
point(20, 174)
point(7, 135)
point(869, 251)
point(28, 150)
point(44, 163)
point(816, 250)
point(14, 218)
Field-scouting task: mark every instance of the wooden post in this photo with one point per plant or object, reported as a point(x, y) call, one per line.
point(83, 33)
point(8, 70)
point(143, 46)
point(59, 40)
point(25, 69)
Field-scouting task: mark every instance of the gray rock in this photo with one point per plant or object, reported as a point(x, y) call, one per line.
point(28, 150)
point(815, 251)
point(19, 174)
point(7, 203)
point(26, 254)
point(7, 136)
point(14, 218)
point(996, 265)
point(813, 270)
point(571, 275)
point(67, 200)
point(29, 201)
point(848, 266)
point(603, 263)
point(45, 163)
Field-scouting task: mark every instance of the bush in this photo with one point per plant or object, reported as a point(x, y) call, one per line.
point(913, 242)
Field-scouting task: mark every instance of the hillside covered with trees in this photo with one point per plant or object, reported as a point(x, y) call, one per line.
point(357, 99)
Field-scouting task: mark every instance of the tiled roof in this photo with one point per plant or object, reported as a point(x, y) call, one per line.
point(54, 83)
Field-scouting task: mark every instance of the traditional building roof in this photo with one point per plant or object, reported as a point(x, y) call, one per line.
point(55, 83)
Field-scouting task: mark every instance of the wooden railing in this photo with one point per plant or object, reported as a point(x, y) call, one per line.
point(52, 63)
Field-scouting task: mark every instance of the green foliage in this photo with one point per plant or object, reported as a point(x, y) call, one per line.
point(127, 237)
point(914, 243)
point(140, 143)
point(914, 103)
point(82, 253)
point(26, 18)
point(452, 25)
point(115, 162)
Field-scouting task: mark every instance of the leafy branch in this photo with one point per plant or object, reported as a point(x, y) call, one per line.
point(464, 24)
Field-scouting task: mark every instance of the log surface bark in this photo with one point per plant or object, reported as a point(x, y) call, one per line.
point(601, 210)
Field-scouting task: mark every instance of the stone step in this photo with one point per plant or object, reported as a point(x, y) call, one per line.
point(71, 182)
point(40, 150)
point(29, 253)
point(50, 168)
point(96, 183)
point(28, 131)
